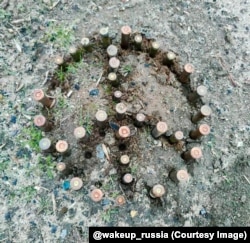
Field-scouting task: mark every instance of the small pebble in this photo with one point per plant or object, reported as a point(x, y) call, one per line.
point(63, 233)
point(8, 216)
point(94, 92)
point(66, 185)
point(14, 182)
point(77, 86)
point(53, 229)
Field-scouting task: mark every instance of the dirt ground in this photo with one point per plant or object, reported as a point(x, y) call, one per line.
point(38, 204)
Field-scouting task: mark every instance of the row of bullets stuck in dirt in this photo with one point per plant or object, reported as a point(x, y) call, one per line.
point(128, 40)
point(123, 132)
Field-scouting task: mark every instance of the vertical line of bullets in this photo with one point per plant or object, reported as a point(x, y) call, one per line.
point(192, 154)
point(200, 92)
point(125, 36)
point(80, 134)
point(179, 175)
point(105, 39)
point(120, 200)
point(46, 146)
point(188, 69)
point(40, 96)
point(160, 128)
point(154, 48)
point(138, 42)
point(121, 110)
point(62, 147)
point(157, 191)
point(202, 130)
point(101, 118)
point(42, 123)
point(176, 137)
point(204, 111)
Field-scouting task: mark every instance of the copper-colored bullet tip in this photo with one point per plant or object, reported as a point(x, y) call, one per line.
point(126, 30)
point(162, 127)
point(60, 166)
point(182, 175)
point(62, 146)
point(196, 152)
point(127, 178)
point(114, 62)
point(189, 68)
point(204, 129)
point(38, 94)
point(39, 120)
point(79, 132)
point(179, 135)
point(124, 131)
point(120, 200)
point(76, 183)
point(157, 191)
point(96, 195)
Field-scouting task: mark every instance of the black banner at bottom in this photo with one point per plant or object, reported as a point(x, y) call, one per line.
point(165, 234)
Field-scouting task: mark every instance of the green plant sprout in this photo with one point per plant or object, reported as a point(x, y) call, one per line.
point(29, 192)
point(88, 123)
point(32, 137)
point(108, 214)
point(60, 35)
point(126, 70)
point(45, 206)
point(46, 165)
point(61, 75)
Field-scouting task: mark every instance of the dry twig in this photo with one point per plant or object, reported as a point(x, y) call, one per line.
point(230, 76)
